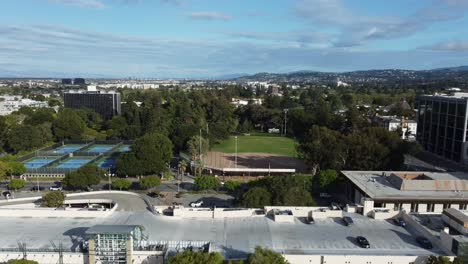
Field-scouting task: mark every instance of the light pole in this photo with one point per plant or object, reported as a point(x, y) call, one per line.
point(236, 153)
point(285, 120)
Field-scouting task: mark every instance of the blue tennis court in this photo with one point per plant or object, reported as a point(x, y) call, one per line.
point(37, 162)
point(124, 149)
point(107, 163)
point(73, 163)
point(100, 149)
point(68, 149)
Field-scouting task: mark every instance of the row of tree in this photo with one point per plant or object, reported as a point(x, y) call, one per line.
point(259, 256)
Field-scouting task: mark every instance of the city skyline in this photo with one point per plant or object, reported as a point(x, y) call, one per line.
point(199, 39)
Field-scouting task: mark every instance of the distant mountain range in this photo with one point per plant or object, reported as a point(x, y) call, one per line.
point(386, 75)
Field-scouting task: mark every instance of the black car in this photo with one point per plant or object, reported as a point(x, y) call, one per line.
point(37, 188)
point(424, 242)
point(347, 221)
point(400, 222)
point(362, 241)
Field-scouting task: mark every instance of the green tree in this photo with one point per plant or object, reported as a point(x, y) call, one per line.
point(53, 199)
point(205, 182)
point(193, 146)
point(153, 151)
point(322, 148)
point(265, 256)
point(85, 176)
point(190, 257)
point(297, 196)
point(24, 137)
point(231, 186)
point(4, 169)
point(68, 125)
point(22, 261)
point(127, 164)
point(326, 178)
point(149, 182)
point(16, 184)
point(256, 197)
point(121, 184)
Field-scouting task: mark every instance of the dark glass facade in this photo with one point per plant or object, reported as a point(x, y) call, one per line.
point(105, 104)
point(442, 125)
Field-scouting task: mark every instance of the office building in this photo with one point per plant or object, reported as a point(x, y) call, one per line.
point(442, 125)
point(79, 81)
point(412, 191)
point(67, 81)
point(107, 104)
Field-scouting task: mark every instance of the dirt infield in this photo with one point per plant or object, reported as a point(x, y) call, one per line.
point(253, 160)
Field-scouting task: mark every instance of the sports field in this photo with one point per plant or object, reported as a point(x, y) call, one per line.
point(258, 144)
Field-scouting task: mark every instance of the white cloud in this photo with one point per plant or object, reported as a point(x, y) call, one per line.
point(82, 3)
point(458, 46)
point(358, 29)
point(209, 16)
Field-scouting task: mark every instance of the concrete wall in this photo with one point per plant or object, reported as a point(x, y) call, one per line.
point(46, 257)
point(411, 222)
point(283, 218)
point(148, 257)
point(298, 211)
point(318, 214)
point(27, 211)
point(181, 211)
point(449, 221)
point(353, 259)
point(380, 215)
point(242, 212)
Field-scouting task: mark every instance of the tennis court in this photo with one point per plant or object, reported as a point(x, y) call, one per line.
point(73, 163)
point(107, 163)
point(99, 148)
point(124, 148)
point(37, 163)
point(68, 149)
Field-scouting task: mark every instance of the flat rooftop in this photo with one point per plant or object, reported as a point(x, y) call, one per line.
point(382, 185)
point(231, 237)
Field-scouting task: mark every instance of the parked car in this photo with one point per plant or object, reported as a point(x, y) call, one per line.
point(424, 242)
point(325, 195)
point(89, 189)
point(362, 241)
point(55, 188)
point(37, 188)
point(347, 221)
point(196, 203)
point(7, 194)
point(400, 222)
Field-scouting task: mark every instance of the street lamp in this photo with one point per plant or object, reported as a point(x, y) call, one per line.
point(236, 153)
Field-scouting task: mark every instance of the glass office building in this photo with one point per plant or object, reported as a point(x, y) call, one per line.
point(107, 104)
point(442, 125)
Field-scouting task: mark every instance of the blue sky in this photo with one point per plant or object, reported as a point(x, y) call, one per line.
point(209, 38)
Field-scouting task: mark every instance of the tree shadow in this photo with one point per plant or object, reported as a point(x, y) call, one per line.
point(231, 253)
point(76, 235)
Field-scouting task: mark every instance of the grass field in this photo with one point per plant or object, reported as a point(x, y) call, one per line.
point(259, 144)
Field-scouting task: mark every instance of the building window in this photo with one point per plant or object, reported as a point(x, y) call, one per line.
point(430, 208)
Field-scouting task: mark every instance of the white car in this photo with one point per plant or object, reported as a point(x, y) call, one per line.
point(196, 204)
point(55, 188)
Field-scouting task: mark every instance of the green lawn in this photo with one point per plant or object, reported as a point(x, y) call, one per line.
point(260, 144)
